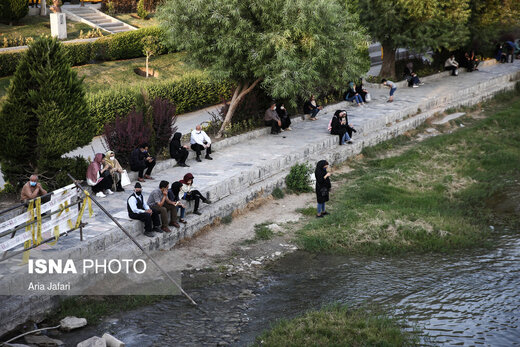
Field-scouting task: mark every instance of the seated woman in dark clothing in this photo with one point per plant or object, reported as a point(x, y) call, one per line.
point(178, 151)
point(173, 195)
point(340, 127)
point(352, 95)
point(99, 177)
point(469, 63)
point(361, 91)
point(284, 117)
point(411, 76)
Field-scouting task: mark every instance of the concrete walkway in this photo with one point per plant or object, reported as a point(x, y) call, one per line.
point(254, 167)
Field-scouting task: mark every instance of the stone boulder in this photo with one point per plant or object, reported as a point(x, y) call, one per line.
point(70, 323)
point(94, 341)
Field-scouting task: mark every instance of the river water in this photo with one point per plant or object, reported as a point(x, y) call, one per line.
point(468, 298)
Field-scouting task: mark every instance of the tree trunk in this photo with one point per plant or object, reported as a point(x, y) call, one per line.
point(388, 66)
point(240, 91)
point(147, 65)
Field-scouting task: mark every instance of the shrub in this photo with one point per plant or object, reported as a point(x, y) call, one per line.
point(106, 105)
point(163, 120)
point(278, 193)
point(126, 133)
point(298, 179)
point(141, 12)
point(76, 166)
point(45, 97)
point(13, 10)
point(123, 6)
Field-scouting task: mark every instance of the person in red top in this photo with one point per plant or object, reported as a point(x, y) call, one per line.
point(32, 189)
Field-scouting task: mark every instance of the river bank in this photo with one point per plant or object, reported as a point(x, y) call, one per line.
point(227, 266)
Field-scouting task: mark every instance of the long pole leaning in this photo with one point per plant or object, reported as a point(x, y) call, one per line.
point(133, 240)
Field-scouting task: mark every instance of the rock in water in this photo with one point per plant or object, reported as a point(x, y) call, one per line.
point(111, 341)
point(42, 340)
point(70, 323)
point(94, 341)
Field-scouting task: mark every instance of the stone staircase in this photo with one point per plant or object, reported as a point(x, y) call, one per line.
point(96, 19)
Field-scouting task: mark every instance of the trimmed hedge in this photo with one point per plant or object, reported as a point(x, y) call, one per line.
point(124, 45)
point(187, 93)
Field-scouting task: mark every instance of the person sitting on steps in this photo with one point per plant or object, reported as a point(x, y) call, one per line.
point(187, 193)
point(99, 177)
point(178, 151)
point(451, 65)
point(284, 116)
point(116, 170)
point(411, 76)
point(311, 108)
point(138, 209)
point(158, 200)
point(352, 95)
point(199, 141)
point(173, 195)
point(340, 127)
point(272, 120)
point(140, 160)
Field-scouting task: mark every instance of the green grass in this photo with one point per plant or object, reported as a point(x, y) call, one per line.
point(34, 26)
point(431, 198)
point(307, 211)
point(120, 73)
point(262, 232)
point(135, 21)
point(338, 326)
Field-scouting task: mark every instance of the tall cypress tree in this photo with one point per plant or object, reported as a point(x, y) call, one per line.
point(45, 114)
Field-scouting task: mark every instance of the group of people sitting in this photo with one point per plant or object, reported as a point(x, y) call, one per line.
point(165, 206)
point(199, 141)
point(505, 52)
point(104, 174)
point(277, 118)
point(470, 62)
point(356, 93)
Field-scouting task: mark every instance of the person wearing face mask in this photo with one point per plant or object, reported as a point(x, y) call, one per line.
point(115, 170)
point(284, 116)
point(199, 141)
point(138, 209)
point(32, 189)
point(98, 177)
point(272, 120)
point(178, 151)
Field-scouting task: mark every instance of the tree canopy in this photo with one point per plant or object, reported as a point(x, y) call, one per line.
point(415, 24)
point(290, 47)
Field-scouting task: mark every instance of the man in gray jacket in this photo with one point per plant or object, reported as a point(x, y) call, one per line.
point(272, 120)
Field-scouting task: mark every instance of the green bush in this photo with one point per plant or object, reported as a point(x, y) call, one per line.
point(141, 12)
point(104, 106)
point(124, 45)
point(298, 179)
point(45, 114)
point(13, 10)
point(76, 166)
point(278, 193)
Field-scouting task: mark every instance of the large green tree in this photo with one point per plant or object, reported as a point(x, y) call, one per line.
point(491, 17)
point(45, 113)
point(414, 24)
point(289, 47)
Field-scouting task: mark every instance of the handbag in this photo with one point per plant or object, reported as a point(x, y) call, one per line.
point(368, 97)
point(125, 180)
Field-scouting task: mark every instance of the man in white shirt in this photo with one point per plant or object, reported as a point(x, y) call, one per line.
point(199, 141)
point(451, 65)
point(139, 209)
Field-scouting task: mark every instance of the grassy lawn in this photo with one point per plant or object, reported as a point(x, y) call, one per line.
point(436, 196)
point(121, 72)
point(338, 326)
point(134, 20)
point(34, 26)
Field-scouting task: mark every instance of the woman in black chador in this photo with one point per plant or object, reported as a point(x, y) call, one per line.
point(322, 186)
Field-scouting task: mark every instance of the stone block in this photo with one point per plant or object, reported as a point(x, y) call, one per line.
point(94, 341)
point(111, 341)
point(70, 323)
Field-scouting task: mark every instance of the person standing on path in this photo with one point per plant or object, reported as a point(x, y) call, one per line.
point(322, 187)
point(392, 86)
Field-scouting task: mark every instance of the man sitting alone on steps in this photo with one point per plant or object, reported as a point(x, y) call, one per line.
point(139, 209)
point(199, 141)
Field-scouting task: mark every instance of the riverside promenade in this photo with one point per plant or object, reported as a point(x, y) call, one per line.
point(252, 165)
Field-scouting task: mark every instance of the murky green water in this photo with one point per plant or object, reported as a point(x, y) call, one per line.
point(469, 298)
